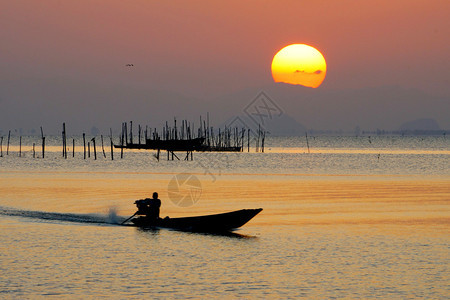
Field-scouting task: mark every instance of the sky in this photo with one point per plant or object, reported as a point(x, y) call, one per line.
point(65, 61)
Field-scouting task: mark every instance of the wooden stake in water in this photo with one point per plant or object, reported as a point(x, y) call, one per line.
point(262, 141)
point(64, 141)
point(34, 152)
point(1, 147)
point(139, 133)
point(242, 139)
point(103, 148)
point(121, 141)
point(248, 140)
point(112, 145)
point(126, 132)
point(43, 142)
point(95, 150)
point(259, 133)
point(20, 146)
point(7, 147)
point(73, 147)
point(207, 126)
point(307, 143)
point(84, 144)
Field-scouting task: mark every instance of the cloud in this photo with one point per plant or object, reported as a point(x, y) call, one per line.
point(303, 71)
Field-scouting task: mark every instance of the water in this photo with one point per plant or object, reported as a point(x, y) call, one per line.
point(357, 217)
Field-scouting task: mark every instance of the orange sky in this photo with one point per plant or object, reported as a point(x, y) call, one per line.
point(204, 49)
point(229, 44)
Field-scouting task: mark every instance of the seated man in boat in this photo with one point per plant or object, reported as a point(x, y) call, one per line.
point(149, 207)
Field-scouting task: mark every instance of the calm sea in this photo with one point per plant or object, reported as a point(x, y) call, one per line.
point(344, 217)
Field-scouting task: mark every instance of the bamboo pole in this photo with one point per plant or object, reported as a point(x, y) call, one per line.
point(103, 148)
point(242, 139)
point(43, 147)
point(167, 132)
point(64, 153)
point(7, 147)
point(63, 139)
point(182, 129)
point(73, 147)
point(34, 151)
point(122, 140)
point(307, 143)
point(248, 140)
point(257, 141)
point(189, 131)
point(95, 150)
point(126, 133)
point(89, 150)
point(20, 146)
point(1, 146)
point(200, 129)
point(112, 145)
point(204, 129)
point(84, 145)
point(139, 134)
point(65, 142)
point(262, 141)
point(43, 143)
point(207, 124)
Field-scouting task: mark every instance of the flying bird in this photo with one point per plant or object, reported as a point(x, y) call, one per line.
point(129, 65)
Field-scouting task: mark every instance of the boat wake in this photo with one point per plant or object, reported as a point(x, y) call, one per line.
point(110, 218)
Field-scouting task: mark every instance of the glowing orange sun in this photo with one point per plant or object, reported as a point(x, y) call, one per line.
point(299, 64)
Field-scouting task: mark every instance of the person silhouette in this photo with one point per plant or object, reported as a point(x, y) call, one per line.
point(154, 205)
point(149, 207)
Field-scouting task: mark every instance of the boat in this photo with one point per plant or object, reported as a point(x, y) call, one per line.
point(169, 145)
point(210, 223)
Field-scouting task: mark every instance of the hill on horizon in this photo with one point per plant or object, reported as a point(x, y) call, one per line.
point(29, 103)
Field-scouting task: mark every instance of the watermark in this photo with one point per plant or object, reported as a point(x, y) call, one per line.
point(216, 161)
point(262, 109)
point(259, 113)
point(184, 189)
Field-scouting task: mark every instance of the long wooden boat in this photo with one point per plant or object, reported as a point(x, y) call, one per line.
point(209, 223)
point(170, 145)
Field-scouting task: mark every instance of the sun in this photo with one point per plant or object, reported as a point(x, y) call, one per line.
point(299, 64)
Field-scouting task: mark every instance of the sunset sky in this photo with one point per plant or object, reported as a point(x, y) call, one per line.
point(194, 54)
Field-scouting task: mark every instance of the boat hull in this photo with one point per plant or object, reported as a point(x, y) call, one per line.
point(210, 223)
point(169, 145)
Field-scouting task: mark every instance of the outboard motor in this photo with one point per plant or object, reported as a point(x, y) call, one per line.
point(142, 206)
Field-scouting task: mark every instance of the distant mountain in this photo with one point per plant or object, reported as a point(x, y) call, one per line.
point(420, 124)
point(368, 108)
point(29, 103)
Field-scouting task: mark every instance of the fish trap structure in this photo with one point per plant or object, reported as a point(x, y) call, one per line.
point(186, 139)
